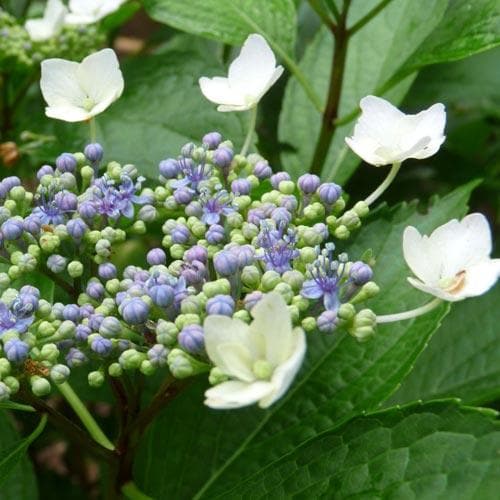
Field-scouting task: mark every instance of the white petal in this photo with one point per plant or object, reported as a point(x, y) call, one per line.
point(217, 90)
point(480, 277)
point(234, 394)
point(236, 360)
point(430, 123)
point(272, 326)
point(365, 148)
point(68, 113)
point(59, 83)
point(77, 19)
point(100, 77)
point(434, 290)
point(251, 72)
point(50, 25)
point(283, 375)
point(38, 29)
point(419, 257)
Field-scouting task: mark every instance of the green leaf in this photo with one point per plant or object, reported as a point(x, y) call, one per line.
point(17, 479)
point(340, 379)
point(374, 53)
point(431, 451)
point(462, 359)
point(230, 21)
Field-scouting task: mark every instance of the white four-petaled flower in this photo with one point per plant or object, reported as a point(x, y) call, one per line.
point(250, 76)
point(90, 11)
point(78, 91)
point(50, 24)
point(384, 135)
point(454, 262)
point(261, 359)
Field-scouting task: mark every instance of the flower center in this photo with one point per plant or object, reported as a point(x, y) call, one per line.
point(88, 103)
point(262, 369)
point(455, 284)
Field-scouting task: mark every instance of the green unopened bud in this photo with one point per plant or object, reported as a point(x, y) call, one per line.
point(217, 287)
point(242, 202)
point(310, 237)
point(361, 209)
point(95, 378)
point(217, 376)
point(285, 290)
point(45, 329)
point(309, 324)
point(131, 359)
point(314, 211)
point(350, 219)
point(113, 286)
point(249, 230)
point(40, 386)
point(4, 280)
point(250, 277)
point(234, 220)
point(301, 303)
point(17, 193)
point(12, 383)
point(75, 269)
point(10, 205)
point(115, 370)
point(35, 251)
point(271, 197)
point(66, 329)
point(92, 237)
point(49, 352)
point(341, 232)
point(147, 368)
point(177, 251)
point(191, 305)
point(59, 373)
point(286, 187)
point(61, 231)
point(4, 392)
point(166, 333)
point(368, 290)
point(138, 227)
point(294, 313)
point(44, 308)
point(307, 255)
point(295, 279)
point(183, 365)
point(364, 325)
point(80, 159)
point(237, 237)
point(199, 229)
point(14, 272)
point(87, 173)
point(4, 367)
point(346, 312)
point(186, 319)
point(103, 248)
point(269, 280)
point(242, 315)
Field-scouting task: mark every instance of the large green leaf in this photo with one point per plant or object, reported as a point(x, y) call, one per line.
point(17, 480)
point(432, 451)
point(340, 379)
point(230, 21)
point(374, 53)
point(462, 359)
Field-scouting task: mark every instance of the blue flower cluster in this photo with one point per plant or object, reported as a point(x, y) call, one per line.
point(232, 228)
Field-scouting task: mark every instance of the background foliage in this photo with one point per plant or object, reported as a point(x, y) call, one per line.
point(329, 435)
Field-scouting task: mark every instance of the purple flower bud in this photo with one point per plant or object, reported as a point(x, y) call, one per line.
point(87, 210)
point(194, 272)
point(107, 271)
point(281, 215)
point(220, 304)
point(321, 229)
point(95, 321)
point(162, 295)
point(12, 229)
point(329, 193)
point(93, 152)
point(57, 310)
point(66, 201)
point(223, 157)
point(71, 312)
point(255, 216)
point(327, 321)
point(7, 184)
point(134, 311)
point(215, 234)
point(16, 350)
point(30, 290)
point(76, 228)
point(192, 339)
point(278, 177)
point(188, 149)
point(262, 170)
point(240, 186)
point(66, 162)
point(194, 209)
point(360, 273)
point(308, 183)
point(226, 263)
point(158, 355)
point(82, 332)
point(32, 224)
point(101, 346)
point(196, 252)
point(289, 202)
point(245, 255)
point(252, 299)
point(180, 234)
point(169, 168)
point(95, 290)
point(44, 170)
point(183, 196)
point(110, 327)
point(86, 310)
point(212, 140)
point(156, 256)
point(75, 358)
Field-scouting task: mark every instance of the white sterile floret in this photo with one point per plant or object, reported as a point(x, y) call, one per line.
point(250, 76)
point(90, 11)
point(50, 24)
point(261, 359)
point(454, 262)
point(78, 91)
point(384, 135)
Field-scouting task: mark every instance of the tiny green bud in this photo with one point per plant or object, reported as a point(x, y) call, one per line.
point(286, 187)
point(39, 386)
point(341, 232)
point(182, 365)
point(115, 370)
point(250, 277)
point(166, 333)
point(346, 312)
point(217, 287)
point(285, 290)
point(59, 373)
point(131, 359)
point(12, 383)
point(75, 269)
point(186, 319)
point(217, 376)
point(95, 378)
point(361, 209)
point(49, 352)
point(147, 368)
point(4, 367)
point(309, 324)
point(242, 315)
point(269, 280)
point(17, 193)
point(294, 278)
point(364, 325)
point(45, 329)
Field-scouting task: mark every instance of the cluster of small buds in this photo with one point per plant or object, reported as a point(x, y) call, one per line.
point(232, 231)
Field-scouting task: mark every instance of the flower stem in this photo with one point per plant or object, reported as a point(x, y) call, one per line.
point(87, 420)
point(387, 182)
point(251, 128)
point(93, 130)
point(131, 492)
point(413, 313)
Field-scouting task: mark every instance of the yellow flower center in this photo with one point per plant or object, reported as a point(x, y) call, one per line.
point(262, 369)
point(455, 284)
